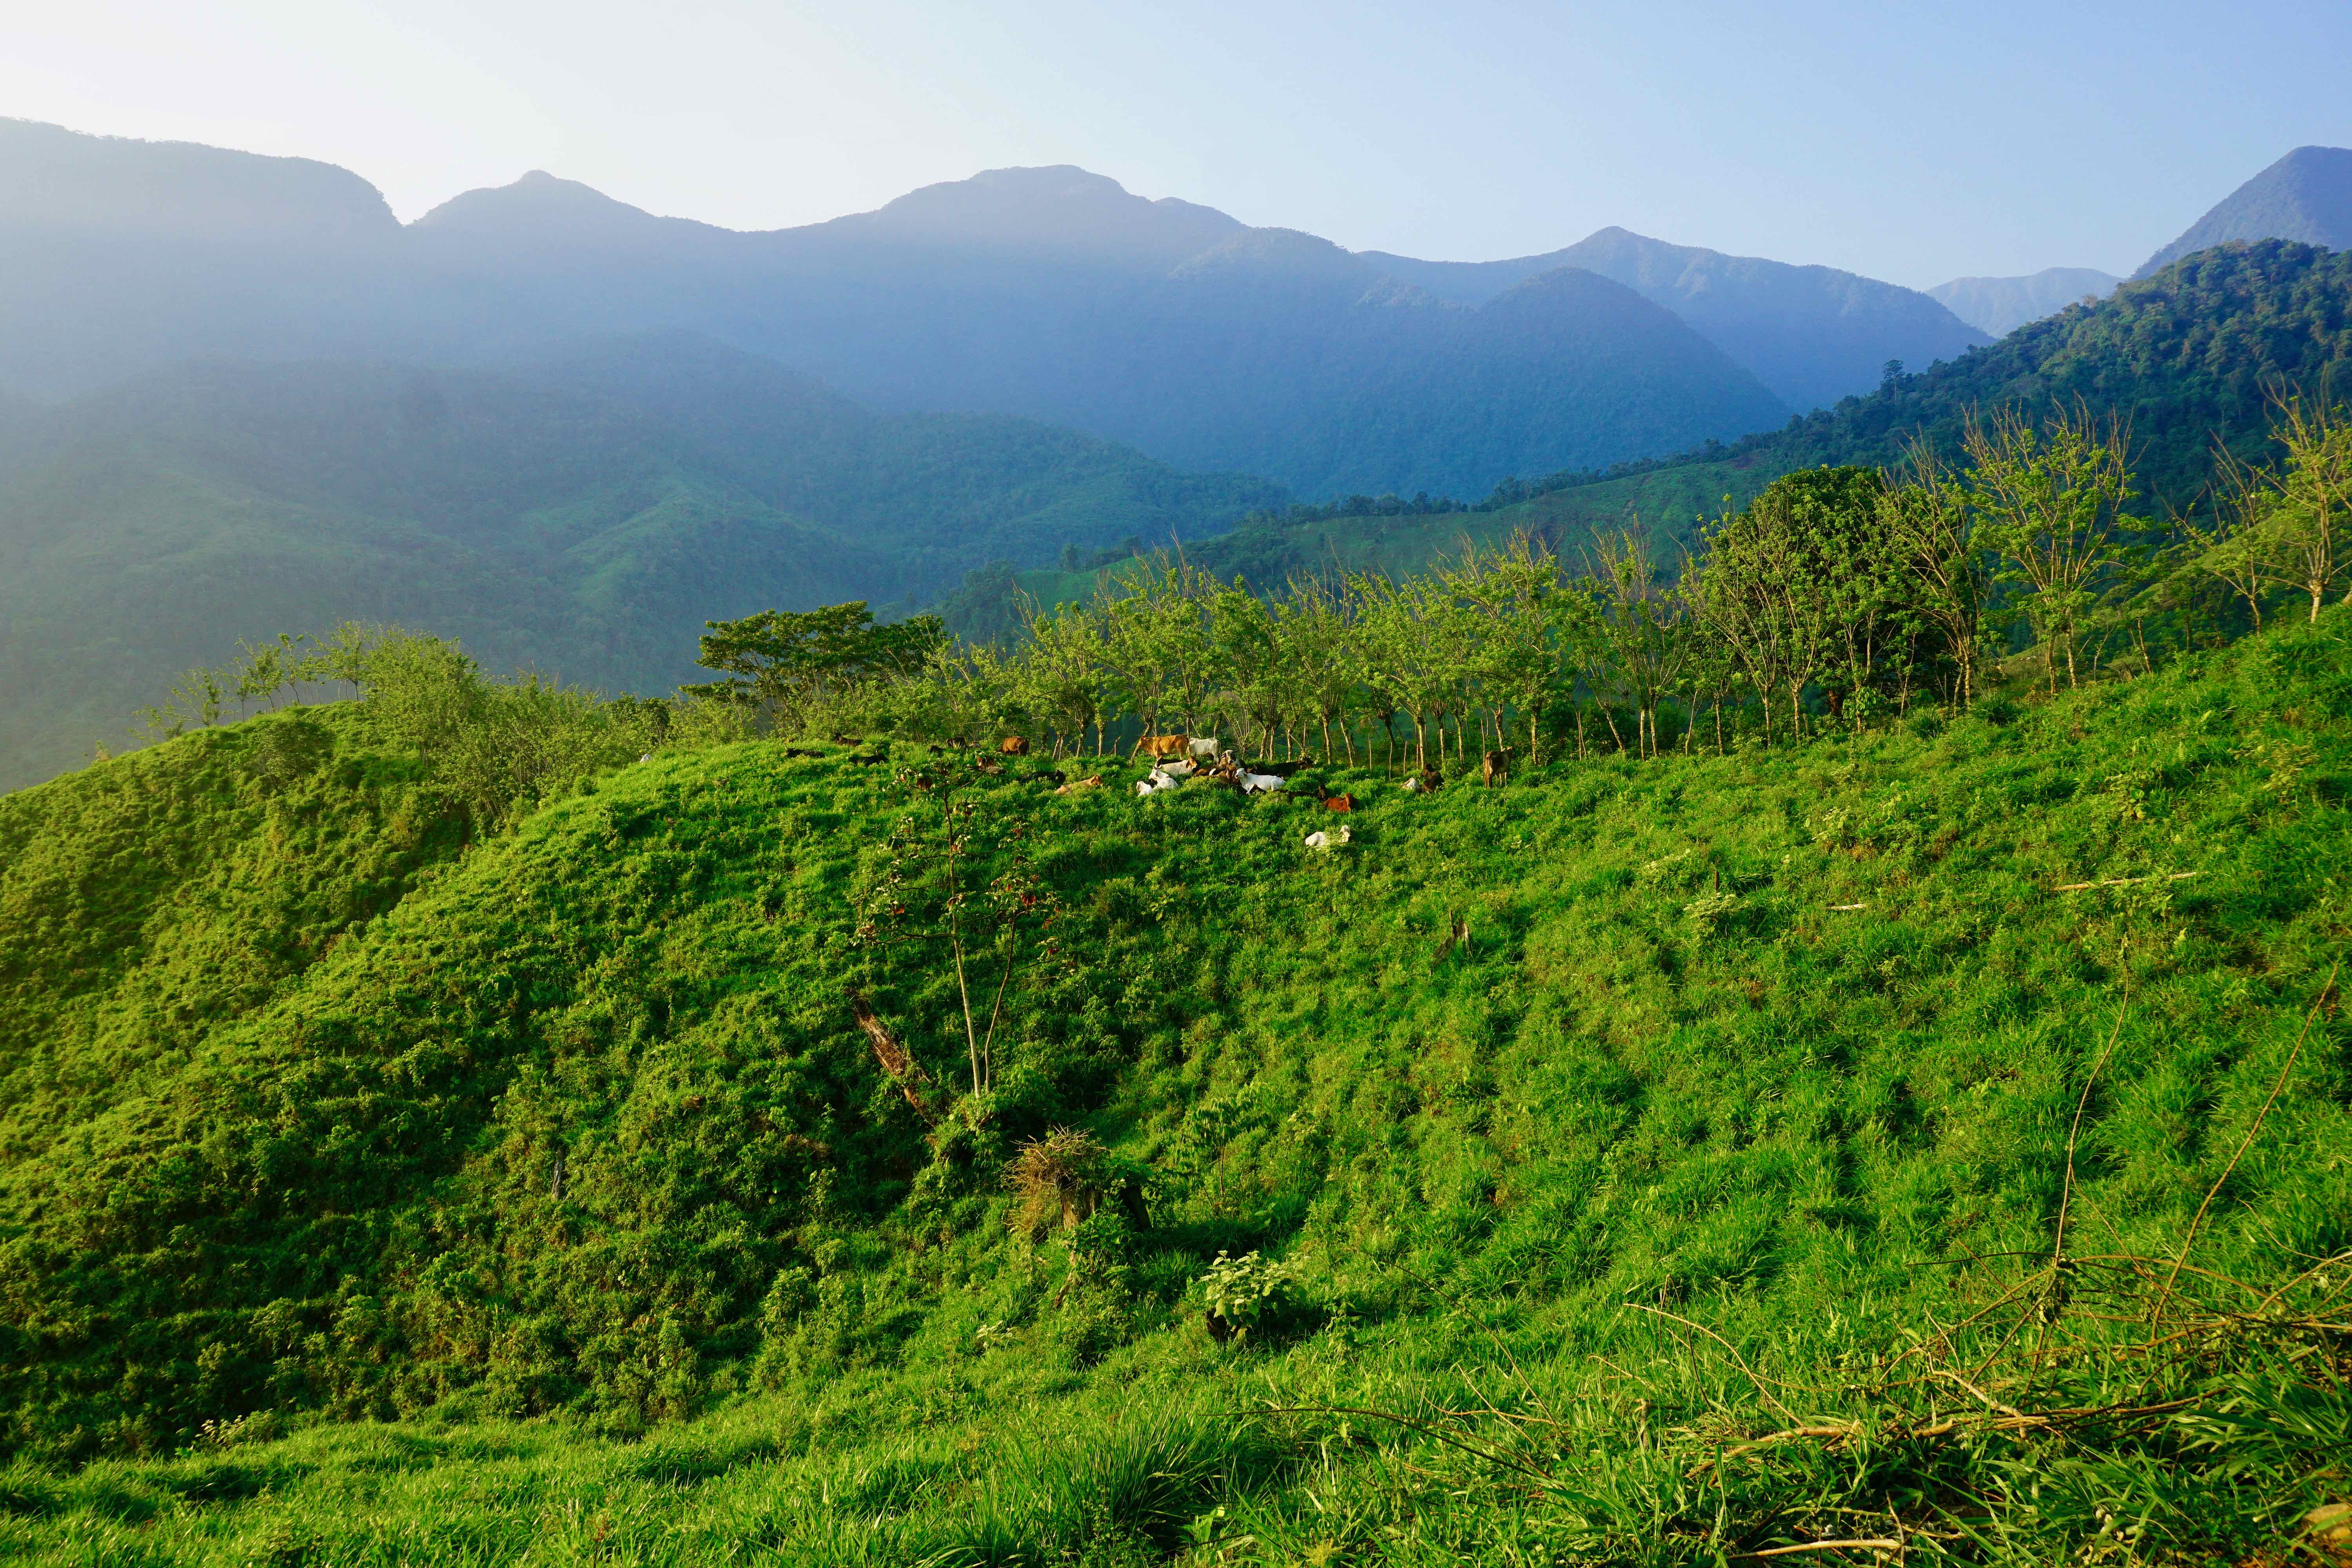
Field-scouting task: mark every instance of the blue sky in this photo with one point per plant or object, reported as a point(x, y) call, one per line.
point(1907, 141)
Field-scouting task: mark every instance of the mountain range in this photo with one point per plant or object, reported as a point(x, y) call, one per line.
point(1049, 294)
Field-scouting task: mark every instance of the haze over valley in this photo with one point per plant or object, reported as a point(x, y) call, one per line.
point(242, 391)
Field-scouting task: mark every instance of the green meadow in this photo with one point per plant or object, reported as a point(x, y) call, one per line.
point(1931, 1136)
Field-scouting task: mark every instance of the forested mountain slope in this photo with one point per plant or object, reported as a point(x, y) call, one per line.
point(1665, 1099)
point(2183, 357)
point(584, 515)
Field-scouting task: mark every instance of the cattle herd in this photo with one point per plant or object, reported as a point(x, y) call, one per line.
point(1175, 759)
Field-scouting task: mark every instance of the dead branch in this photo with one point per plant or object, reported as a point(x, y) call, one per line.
point(2123, 881)
point(1736, 1358)
point(896, 1062)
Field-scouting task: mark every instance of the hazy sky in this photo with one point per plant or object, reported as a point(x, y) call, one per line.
point(1908, 141)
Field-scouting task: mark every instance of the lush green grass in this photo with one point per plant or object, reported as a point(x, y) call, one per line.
point(1603, 1131)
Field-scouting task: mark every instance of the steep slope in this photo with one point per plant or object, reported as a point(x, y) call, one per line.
point(1813, 334)
point(2305, 197)
point(586, 519)
point(1999, 306)
point(1724, 1048)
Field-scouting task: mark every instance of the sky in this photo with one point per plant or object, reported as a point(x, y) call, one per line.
point(1910, 141)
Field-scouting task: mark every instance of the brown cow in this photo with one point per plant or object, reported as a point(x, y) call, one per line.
point(1338, 803)
point(1497, 767)
point(1164, 745)
point(1014, 746)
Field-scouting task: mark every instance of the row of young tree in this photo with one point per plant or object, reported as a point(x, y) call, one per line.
point(1839, 596)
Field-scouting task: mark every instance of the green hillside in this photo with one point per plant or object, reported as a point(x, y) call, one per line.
point(1664, 1161)
point(585, 521)
point(2181, 356)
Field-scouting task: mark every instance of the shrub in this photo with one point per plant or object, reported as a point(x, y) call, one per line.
point(1242, 1293)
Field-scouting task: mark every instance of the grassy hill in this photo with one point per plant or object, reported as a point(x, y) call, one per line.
point(583, 516)
point(1667, 1160)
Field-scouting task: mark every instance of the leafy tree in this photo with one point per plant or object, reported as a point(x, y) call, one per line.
point(2049, 498)
point(779, 661)
point(1792, 581)
point(2311, 497)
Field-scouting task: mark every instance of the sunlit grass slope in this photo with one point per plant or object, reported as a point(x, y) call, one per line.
point(1632, 1112)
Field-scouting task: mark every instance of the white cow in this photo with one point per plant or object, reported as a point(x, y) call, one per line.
point(1204, 746)
point(1259, 784)
point(1329, 840)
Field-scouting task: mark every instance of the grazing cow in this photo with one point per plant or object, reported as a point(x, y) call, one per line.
point(1014, 746)
point(869, 762)
point(1164, 745)
point(1497, 767)
point(1338, 803)
point(1202, 745)
point(1258, 784)
point(801, 752)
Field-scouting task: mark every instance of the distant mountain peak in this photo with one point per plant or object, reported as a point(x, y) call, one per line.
point(1058, 206)
point(542, 215)
point(2305, 197)
point(2000, 305)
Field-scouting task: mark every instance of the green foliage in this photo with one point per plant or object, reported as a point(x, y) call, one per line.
point(781, 661)
point(1241, 1292)
point(1789, 1045)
